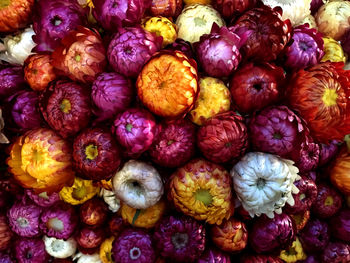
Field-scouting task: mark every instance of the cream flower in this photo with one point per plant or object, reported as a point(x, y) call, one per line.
point(309, 20)
point(264, 183)
point(3, 138)
point(60, 248)
point(18, 47)
point(294, 10)
point(85, 258)
point(110, 199)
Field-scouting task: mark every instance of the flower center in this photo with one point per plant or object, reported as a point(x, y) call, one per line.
point(4, 3)
point(199, 21)
point(228, 145)
point(57, 245)
point(302, 197)
point(238, 235)
point(136, 186)
point(135, 253)
point(22, 222)
point(260, 183)
point(303, 46)
point(170, 142)
point(37, 156)
point(44, 195)
point(128, 127)
point(257, 87)
point(329, 201)
point(292, 251)
point(65, 106)
point(29, 254)
point(91, 152)
point(204, 196)
point(77, 57)
point(55, 224)
point(277, 136)
point(330, 97)
point(179, 240)
point(128, 50)
point(34, 71)
point(79, 193)
point(56, 21)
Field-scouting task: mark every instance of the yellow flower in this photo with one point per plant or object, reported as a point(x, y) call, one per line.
point(81, 191)
point(41, 160)
point(332, 51)
point(294, 253)
point(203, 2)
point(146, 218)
point(214, 98)
point(161, 26)
point(202, 189)
point(106, 250)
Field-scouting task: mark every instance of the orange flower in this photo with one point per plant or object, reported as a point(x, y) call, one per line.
point(168, 84)
point(230, 236)
point(38, 71)
point(339, 174)
point(41, 160)
point(15, 14)
point(146, 218)
point(81, 55)
point(321, 94)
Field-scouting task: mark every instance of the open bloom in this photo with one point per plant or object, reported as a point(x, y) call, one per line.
point(15, 14)
point(106, 250)
point(333, 51)
point(42, 160)
point(294, 253)
point(294, 10)
point(81, 55)
point(264, 183)
point(202, 189)
point(321, 94)
point(163, 27)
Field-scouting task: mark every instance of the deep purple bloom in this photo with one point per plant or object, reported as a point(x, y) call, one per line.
point(336, 252)
point(181, 239)
point(315, 5)
point(308, 156)
point(11, 81)
point(175, 145)
point(214, 255)
point(135, 129)
point(24, 219)
point(5, 258)
point(131, 48)
point(340, 225)
point(133, 245)
point(218, 52)
point(111, 93)
point(315, 235)
point(59, 221)
point(328, 152)
point(43, 199)
point(306, 49)
point(53, 20)
point(183, 46)
point(115, 14)
point(345, 42)
point(31, 250)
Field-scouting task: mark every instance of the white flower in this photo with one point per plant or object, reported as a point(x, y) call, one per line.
point(197, 20)
point(110, 199)
point(60, 248)
point(294, 10)
point(309, 20)
point(83, 258)
point(3, 138)
point(18, 47)
point(264, 183)
point(138, 184)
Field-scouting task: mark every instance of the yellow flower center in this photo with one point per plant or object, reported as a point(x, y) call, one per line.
point(199, 21)
point(238, 235)
point(79, 193)
point(91, 152)
point(65, 106)
point(37, 156)
point(44, 195)
point(77, 57)
point(204, 196)
point(4, 3)
point(329, 201)
point(330, 97)
point(128, 127)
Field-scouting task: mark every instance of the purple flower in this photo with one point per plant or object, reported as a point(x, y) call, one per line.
point(131, 48)
point(111, 93)
point(31, 250)
point(306, 49)
point(214, 255)
point(308, 156)
point(53, 20)
point(115, 14)
point(336, 252)
point(180, 238)
point(24, 219)
point(43, 199)
point(11, 81)
point(315, 235)
point(328, 152)
point(133, 245)
point(135, 129)
point(175, 145)
point(59, 221)
point(218, 52)
point(183, 46)
point(5, 258)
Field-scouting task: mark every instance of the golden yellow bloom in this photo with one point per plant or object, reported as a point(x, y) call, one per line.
point(161, 26)
point(42, 160)
point(106, 184)
point(203, 2)
point(332, 51)
point(214, 98)
point(294, 253)
point(106, 250)
point(146, 218)
point(81, 191)
point(202, 189)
